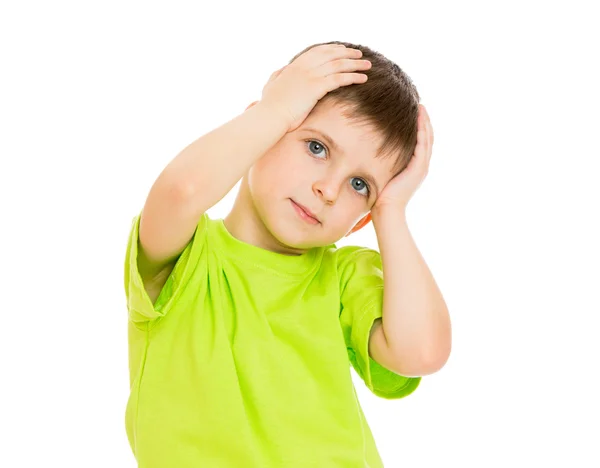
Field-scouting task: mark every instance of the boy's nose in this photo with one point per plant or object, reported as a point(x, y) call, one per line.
point(327, 190)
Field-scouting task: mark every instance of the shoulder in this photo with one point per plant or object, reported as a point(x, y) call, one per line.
point(351, 254)
point(354, 261)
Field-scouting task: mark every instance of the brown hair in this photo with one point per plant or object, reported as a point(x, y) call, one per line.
point(388, 101)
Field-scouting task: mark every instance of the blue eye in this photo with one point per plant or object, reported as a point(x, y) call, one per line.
point(316, 146)
point(361, 185)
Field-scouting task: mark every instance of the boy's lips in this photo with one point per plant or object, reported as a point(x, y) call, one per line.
point(306, 210)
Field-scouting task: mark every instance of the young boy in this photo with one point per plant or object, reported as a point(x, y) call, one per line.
point(242, 330)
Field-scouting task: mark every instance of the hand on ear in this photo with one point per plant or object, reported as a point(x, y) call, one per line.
point(362, 223)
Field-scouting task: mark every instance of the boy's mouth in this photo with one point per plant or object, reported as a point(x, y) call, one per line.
point(305, 213)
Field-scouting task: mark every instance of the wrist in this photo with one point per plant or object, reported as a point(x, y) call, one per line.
point(272, 114)
point(386, 212)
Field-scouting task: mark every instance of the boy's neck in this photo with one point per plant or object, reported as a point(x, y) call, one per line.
point(244, 223)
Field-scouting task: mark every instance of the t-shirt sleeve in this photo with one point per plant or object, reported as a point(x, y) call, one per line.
point(361, 303)
point(139, 305)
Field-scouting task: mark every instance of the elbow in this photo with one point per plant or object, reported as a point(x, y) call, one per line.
point(430, 361)
point(438, 358)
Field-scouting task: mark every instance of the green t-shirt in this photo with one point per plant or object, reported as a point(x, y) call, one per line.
point(244, 359)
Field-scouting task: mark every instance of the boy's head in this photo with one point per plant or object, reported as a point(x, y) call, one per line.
point(373, 132)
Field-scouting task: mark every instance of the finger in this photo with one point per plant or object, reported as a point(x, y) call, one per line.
point(337, 80)
point(428, 125)
point(275, 74)
point(343, 65)
point(428, 129)
point(324, 55)
point(422, 151)
point(302, 58)
point(429, 143)
point(427, 137)
point(327, 46)
point(421, 115)
point(421, 148)
point(425, 127)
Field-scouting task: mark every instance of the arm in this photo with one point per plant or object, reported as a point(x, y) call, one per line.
point(208, 168)
point(191, 183)
point(414, 336)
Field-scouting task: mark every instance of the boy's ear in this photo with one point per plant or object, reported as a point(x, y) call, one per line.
point(251, 104)
point(362, 223)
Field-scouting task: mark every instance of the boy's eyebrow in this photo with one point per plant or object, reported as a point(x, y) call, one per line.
point(330, 141)
point(327, 138)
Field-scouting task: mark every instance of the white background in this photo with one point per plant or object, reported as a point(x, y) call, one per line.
point(96, 99)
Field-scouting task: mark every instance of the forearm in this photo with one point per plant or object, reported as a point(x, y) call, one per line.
point(415, 319)
point(208, 168)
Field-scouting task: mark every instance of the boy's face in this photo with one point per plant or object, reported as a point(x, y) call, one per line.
point(339, 185)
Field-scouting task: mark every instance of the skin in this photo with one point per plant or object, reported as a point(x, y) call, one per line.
point(329, 183)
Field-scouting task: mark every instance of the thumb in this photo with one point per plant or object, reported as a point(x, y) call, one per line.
point(276, 73)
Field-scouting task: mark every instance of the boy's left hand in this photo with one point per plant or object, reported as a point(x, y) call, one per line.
point(401, 188)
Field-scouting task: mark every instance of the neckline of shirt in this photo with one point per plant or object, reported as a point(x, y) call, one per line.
point(289, 265)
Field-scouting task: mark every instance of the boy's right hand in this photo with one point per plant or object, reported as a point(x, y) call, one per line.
point(295, 89)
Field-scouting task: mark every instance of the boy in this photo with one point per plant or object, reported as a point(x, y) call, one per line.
point(242, 330)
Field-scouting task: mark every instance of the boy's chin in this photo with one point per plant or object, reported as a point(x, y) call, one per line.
point(290, 235)
point(295, 236)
